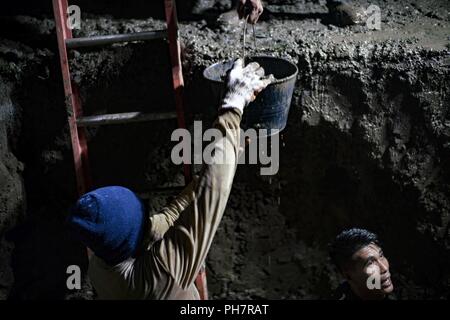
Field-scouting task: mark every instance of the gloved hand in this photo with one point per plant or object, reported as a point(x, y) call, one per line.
point(244, 84)
point(253, 8)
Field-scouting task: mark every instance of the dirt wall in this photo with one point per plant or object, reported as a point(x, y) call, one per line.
point(367, 144)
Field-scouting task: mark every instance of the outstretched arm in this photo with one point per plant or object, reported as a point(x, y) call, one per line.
point(166, 218)
point(184, 247)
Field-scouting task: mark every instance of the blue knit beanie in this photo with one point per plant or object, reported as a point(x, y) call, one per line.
point(110, 221)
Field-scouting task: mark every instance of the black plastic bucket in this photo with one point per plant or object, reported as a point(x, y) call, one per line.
point(271, 107)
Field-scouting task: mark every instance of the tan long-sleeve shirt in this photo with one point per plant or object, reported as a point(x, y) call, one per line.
point(180, 235)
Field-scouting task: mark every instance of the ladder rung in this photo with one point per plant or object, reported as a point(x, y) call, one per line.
point(128, 117)
point(114, 38)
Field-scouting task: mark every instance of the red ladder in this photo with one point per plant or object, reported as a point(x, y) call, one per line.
point(78, 122)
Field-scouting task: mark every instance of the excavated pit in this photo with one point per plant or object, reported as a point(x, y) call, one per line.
point(367, 144)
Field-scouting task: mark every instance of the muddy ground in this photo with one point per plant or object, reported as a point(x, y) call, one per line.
point(367, 144)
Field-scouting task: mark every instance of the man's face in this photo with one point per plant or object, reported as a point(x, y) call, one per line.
point(368, 273)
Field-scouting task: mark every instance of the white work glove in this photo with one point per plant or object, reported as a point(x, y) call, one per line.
point(244, 84)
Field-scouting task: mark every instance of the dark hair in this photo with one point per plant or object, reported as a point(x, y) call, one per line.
point(348, 242)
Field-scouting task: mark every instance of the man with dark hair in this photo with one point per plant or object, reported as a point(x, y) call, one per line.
point(358, 256)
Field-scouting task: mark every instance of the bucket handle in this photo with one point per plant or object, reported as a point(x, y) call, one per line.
point(245, 36)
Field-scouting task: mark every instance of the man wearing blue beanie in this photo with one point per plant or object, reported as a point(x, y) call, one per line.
point(159, 257)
